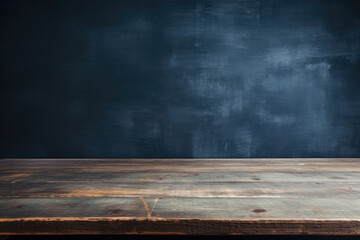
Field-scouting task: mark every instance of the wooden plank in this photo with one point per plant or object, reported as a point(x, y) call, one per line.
point(181, 208)
point(173, 160)
point(172, 216)
point(178, 226)
point(179, 216)
point(185, 196)
point(72, 207)
point(350, 167)
point(224, 190)
point(150, 165)
point(203, 177)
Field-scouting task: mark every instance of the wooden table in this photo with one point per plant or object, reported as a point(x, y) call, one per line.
point(180, 196)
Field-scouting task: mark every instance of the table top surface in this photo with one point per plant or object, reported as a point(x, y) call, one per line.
point(180, 196)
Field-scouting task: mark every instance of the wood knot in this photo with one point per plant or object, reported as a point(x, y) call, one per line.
point(116, 211)
point(259, 210)
point(69, 204)
point(338, 177)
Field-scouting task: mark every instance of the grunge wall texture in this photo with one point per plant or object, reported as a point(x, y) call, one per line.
point(232, 78)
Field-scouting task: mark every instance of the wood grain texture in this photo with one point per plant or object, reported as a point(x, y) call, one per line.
point(180, 196)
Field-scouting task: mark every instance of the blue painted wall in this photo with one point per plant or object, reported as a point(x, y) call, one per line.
point(170, 78)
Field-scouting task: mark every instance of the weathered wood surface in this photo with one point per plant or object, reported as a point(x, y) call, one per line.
point(180, 196)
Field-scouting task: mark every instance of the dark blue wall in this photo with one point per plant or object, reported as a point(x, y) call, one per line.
point(169, 78)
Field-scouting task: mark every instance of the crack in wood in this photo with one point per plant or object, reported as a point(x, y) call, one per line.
point(146, 206)
point(153, 206)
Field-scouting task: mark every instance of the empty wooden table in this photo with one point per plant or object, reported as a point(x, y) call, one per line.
point(180, 196)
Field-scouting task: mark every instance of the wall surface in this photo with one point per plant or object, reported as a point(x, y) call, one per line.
point(231, 78)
